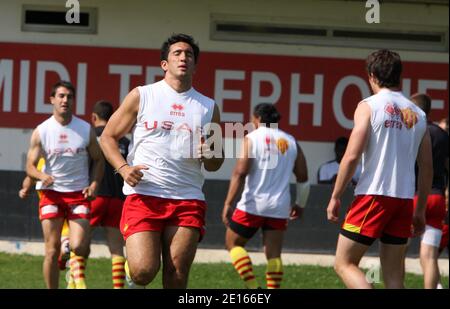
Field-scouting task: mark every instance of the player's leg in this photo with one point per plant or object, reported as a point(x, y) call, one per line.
point(394, 241)
point(348, 255)
point(79, 243)
point(114, 240)
point(273, 243)
point(392, 257)
point(64, 255)
point(179, 247)
point(143, 256)
point(429, 253)
point(52, 232)
point(236, 237)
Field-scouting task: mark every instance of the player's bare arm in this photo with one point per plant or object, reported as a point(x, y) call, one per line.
point(424, 182)
point(98, 166)
point(237, 180)
point(301, 174)
point(206, 152)
point(34, 153)
point(120, 123)
point(27, 184)
point(347, 167)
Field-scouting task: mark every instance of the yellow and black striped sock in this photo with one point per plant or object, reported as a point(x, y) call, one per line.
point(243, 264)
point(274, 273)
point(118, 272)
point(70, 279)
point(77, 267)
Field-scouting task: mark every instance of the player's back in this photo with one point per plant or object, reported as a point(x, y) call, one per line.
point(266, 191)
point(396, 131)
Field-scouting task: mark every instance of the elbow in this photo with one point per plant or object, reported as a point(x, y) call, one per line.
point(239, 174)
point(351, 159)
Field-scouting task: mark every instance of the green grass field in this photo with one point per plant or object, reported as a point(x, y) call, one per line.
point(25, 272)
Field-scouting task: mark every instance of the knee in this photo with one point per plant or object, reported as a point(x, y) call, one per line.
point(176, 271)
point(339, 267)
point(80, 249)
point(52, 253)
point(143, 276)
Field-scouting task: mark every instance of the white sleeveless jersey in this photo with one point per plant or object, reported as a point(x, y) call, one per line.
point(65, 152)
point(165, 138)
point(266, 192)
point(397, 129)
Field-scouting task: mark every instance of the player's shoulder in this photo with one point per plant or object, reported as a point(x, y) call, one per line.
point(80, 122)
point(46, 122)
point(200, 97)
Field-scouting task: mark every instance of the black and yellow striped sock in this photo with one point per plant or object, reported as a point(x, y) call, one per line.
point(243, 265)
point(77, 268)
point(118, 272)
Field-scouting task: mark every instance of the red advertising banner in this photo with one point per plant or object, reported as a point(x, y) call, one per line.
point(316, 96)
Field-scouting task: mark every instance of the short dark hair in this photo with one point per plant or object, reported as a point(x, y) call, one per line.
point(341, 141)
point(386, 67)
point(423, 101)
point(179, 37)
point(267, 112)
point(65, 84)
point(103, 109)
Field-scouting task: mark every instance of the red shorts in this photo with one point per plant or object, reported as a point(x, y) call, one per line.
point(444, 238)
point(376, 215)
point(435, 211)
point(149, 213)
point(70, 205)
point(106, 211)
point(254, 221)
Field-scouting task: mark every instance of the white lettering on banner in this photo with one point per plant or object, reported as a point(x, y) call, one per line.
point(81, 88)
point(24, 85)
point(6, 78)
point(406, 87)
point(152, 73)
point(220, 94)
point(427, 84)
point(256, 97)
point(43, 67)
point(338, 94)
point(315, 98)
point(49, 209)
point(125, 71)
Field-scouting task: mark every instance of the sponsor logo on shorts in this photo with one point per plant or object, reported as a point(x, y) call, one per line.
point(80, 209)
point(49, 209)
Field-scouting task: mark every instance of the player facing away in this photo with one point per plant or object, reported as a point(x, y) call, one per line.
point(389, 133)
point(164, 212)
point(67, 143)
point(268, 157)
